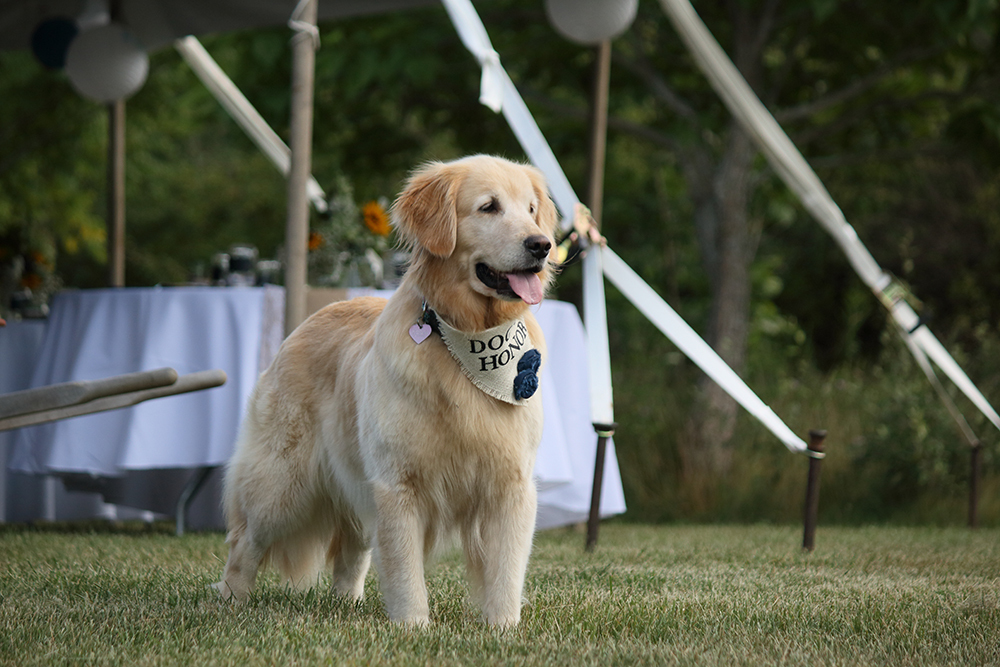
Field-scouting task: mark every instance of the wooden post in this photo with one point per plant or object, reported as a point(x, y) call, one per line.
point(816, 454)
point(598, 130)
point(116, 194)
point(976, 455)
point(297, 223)
point(604, 431)
point(595, 197)
point(115, 216)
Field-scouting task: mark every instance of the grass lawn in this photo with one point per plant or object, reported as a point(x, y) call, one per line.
point(652, 595)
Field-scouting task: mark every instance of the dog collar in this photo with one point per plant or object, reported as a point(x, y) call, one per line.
point(501, 361)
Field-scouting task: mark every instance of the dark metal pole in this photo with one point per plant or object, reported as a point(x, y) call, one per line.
point(116, 194)
point(604, 431)
point(976, 455)
point(816, 454)
point(115, 215)
point(188, 493)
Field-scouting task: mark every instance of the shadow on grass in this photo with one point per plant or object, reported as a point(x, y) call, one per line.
point(93, 527)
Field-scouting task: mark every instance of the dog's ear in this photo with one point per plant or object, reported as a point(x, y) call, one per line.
point(426, 213)
point(547, 217)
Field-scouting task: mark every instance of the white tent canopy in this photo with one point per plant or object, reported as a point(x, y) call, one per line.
point(157, 23)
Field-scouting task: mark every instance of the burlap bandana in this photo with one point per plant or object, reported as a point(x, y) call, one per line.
point(500, 361)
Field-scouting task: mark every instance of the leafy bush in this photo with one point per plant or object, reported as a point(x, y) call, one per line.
point(894, 453)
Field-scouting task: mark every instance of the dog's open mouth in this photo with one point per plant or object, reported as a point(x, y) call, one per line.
point(523, 285)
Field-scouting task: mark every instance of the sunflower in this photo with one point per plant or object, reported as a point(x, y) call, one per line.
point(32, 281)
point(376, 219)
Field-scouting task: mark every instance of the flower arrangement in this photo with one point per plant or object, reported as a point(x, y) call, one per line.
point(27, 277)
point(347, 248)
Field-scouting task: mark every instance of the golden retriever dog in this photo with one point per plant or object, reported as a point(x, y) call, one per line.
point(368, 437)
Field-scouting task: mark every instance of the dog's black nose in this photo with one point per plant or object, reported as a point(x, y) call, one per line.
point(538, 246)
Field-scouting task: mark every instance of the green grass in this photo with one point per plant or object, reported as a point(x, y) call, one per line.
point(648, 595)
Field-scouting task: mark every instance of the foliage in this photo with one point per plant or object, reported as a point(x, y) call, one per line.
point(49, 207)
point(893, 452)
point(692, 595)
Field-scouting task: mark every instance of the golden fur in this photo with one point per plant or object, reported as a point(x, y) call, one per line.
point(357, 441)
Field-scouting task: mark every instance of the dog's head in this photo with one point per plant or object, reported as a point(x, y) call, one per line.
point(480, 230)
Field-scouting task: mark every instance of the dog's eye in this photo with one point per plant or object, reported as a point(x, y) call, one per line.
point(531, 209)
point(491, 207)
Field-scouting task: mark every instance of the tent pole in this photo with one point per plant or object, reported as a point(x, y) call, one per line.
point(976, 456)
point(811, 511)
point(297, 222)
point(115, 214)
point(595, 198)
point(598, 130)
point(116, 194)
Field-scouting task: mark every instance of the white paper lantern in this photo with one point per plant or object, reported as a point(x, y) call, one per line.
point(106, 63)
point(590, 22)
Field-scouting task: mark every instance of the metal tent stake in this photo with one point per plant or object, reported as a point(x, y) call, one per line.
point(604, 431)
point(976, 454)
point(816, 454)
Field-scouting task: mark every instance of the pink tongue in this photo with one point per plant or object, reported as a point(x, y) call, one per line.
point(527, 286)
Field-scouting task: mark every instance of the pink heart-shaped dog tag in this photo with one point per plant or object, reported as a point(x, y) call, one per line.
point(420, 332)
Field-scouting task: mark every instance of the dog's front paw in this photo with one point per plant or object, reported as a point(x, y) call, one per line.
point(224, 591)
point(418, 621)
point(503, 622)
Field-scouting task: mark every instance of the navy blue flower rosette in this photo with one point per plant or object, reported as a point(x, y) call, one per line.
point(526, 382)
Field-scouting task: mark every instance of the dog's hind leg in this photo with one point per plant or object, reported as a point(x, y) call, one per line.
point(245, 556)
point(351, 557)
point(268, 527)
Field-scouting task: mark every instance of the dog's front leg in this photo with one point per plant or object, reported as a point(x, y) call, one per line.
point(507, 534)
point(399, 554)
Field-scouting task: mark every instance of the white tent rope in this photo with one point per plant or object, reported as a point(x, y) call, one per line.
point(498, 93)
point(240, 109)
point(602, 260)
point(473, 34)
point(788, 162)
point(523, 125)
point(691, 344)
point(304, 27)
point(925, 366)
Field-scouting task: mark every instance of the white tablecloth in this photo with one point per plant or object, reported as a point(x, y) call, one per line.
point(20, 342)
point(94, 334)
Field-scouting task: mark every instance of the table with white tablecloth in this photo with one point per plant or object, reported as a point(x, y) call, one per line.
point(20, 343)
point(142, 456)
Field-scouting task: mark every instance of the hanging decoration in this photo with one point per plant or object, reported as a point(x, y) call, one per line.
point(590, 22)
point(106, 63)
point(51, 39)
